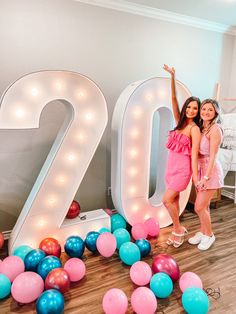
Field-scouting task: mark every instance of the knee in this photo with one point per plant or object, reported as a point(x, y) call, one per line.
point(166, 201)
point(199, 208)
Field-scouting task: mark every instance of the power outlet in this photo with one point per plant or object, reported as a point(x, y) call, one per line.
point(109, 191)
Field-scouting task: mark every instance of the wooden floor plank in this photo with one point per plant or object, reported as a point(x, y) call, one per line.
point(216, 267)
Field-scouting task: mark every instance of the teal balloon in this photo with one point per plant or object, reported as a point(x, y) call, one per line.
point(47, 264)
point(122, 236)
point(22, 251)
point(117, 221)
point(129, 253)
point(90, 241)
point(102, 230)
point(33, 258)
point(74, 246)
point(144, 247)
point(161, 285)
point(5, 286)
point(195, 301)
point(50, 302)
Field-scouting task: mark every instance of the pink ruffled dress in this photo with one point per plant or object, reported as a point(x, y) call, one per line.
point(216, 179)
point(178, 169)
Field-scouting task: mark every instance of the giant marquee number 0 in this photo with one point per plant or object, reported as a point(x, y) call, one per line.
point(47, 204)
point(142, 113)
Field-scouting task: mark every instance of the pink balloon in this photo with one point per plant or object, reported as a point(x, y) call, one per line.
point(139, 231)
point(188, 280)
point(153, 227)
point(12, 266)
point(106, 244)
point(115, 302)
point(140, 273)
point(75, 268)
point(27, 287)
point(166, 263)
point(143, 300)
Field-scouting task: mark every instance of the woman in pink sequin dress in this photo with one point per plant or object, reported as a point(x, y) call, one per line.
point(183, 144)
point(210, 171)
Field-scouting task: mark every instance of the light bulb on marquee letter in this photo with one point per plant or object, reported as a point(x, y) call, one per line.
point(134, 115)
point(46, 207)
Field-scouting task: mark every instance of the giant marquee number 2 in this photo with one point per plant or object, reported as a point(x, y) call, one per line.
point(140, 125)
point(46, 206)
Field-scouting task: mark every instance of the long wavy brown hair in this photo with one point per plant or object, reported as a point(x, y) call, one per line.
point(182, 119)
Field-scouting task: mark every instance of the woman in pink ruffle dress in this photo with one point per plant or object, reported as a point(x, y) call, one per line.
point(182, 163)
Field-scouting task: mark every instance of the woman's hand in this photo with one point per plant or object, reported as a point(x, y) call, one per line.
point(169, 70)
point(202, 185)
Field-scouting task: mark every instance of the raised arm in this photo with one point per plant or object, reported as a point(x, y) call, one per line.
point(174, 101)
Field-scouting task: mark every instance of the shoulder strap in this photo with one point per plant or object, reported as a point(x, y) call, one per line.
point(215, 125)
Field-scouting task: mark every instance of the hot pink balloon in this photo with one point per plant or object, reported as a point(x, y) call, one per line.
point(27, 287)
point(166, 263)
point(188, 280)
point(153, 227)
point(106, 244)
point(143, 301)
point(75, 268)
point(140, 273)
point(115, 302)
point(12, 266)
point(139, 231)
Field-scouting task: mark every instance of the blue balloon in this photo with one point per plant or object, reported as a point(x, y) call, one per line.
point(129, 253)
point(74, 246)
point(33, 258)
point(90, 241)
point(161, 285)
point(50, 302)
point(22, 251)
point(122, 236)
point(102, 230)
point(47, 264)
point(144, 247)
point(195, 301)
point(117, 221)
point(5, 286)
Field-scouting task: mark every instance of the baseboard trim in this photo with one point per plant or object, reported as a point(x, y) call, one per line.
point(6, 234)
point(227, 194)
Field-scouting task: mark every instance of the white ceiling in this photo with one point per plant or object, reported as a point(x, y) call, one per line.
point(220, 11)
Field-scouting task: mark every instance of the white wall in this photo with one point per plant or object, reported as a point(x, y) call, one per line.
point(113, 49)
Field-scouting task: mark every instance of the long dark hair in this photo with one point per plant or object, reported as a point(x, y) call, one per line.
point(183, 118)
point(217, 118)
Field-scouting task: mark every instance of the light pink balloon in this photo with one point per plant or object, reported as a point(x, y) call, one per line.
point(106, 244)
point(139, 231)
point(27, 287)
point(12, 266)
point(153, 227)
point(75, 268)
point(143, 301)
point(115, 302)
point(140, 273)
point(188, 280)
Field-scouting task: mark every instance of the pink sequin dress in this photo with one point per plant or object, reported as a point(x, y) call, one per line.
point(216, 177)
point(178, 169)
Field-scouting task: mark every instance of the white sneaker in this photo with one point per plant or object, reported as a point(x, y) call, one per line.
point(196, 239)
point(206, 242)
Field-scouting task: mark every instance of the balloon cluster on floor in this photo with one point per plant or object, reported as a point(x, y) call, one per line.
point(38, 274)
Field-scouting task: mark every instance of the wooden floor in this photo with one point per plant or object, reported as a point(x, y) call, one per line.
point(216, 267)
